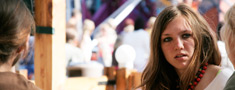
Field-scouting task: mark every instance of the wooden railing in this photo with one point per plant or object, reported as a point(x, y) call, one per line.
point(121, 79)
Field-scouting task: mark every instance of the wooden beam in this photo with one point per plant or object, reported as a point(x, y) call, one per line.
point(85, 83)
point(50, 49)
point(121, 80)
point(127, 79)
point(136, 80)
point(110, 72)
point(123, 77)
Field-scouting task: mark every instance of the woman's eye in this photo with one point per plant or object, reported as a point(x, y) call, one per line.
point(185, 36)
point(167, 39)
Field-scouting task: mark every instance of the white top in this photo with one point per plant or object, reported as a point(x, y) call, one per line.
point(87, 46)
point(73, 54)
point(225, 62)
point(220, 80)
point(140, 41)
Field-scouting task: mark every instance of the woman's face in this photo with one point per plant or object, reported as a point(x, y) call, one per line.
point(178, 44)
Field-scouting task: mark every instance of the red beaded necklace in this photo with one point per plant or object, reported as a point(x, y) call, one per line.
point(198, 77)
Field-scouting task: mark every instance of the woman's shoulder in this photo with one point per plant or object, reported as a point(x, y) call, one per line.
point(208, 77)
point(211, 72)
point(213, 69)
point(14, 81)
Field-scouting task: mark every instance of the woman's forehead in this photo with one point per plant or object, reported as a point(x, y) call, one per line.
point(178, 24)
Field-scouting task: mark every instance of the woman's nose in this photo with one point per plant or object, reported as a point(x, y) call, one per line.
point(179, 44)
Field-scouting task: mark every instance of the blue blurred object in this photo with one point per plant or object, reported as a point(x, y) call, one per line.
point(28, 61)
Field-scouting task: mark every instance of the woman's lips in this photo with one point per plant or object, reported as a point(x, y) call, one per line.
point(181, 57)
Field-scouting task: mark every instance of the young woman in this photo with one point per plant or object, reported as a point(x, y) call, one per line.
point(184, 54)
point(228, 36)
point(15, 26)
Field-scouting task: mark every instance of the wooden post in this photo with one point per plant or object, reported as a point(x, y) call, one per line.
point(130, 82)
point(127, 79)
point(122, 78)
point(110, 72)
point(136, 79)
point(50, 48)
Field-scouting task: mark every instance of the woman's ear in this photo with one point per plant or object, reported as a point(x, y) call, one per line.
point(20, 49)
point(24, 46)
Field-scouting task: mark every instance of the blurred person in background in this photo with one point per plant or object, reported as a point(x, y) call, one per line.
point(87, 45)
point(139, 40)
point(74, 55)
point(106, 39)
point(228, 36)
point(128, 28)
point(150, 24)
point(16, 22)
point(225, 62)
point(75, 22)
point(76, 16)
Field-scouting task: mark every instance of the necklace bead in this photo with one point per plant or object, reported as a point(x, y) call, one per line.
point(198, 77)
point(203, 71)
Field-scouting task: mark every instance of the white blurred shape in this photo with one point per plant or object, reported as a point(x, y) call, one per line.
point(125, 56)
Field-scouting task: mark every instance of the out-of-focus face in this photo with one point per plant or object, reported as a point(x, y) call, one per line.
point(227, 37)
point(178, 44)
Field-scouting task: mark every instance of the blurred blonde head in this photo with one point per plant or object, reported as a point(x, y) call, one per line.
point(228, 31)
point(72, 36)
point(111, 23)
point(129, 28)
point(151, 22)
point(88, 26)
point(107, 32)
point(76, 16)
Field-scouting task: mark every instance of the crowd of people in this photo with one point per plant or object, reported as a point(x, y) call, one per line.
point(177, 50)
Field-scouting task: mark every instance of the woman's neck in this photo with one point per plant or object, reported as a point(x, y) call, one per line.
point(179, 72)
point(5, 67)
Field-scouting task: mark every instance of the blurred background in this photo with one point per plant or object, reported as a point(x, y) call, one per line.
point(115, 33)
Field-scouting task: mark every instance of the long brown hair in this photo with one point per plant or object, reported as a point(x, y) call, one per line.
point(161, 75)
point(16, 23)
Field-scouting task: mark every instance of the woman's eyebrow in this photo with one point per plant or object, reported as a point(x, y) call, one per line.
point(166, 34)
point(186, 30)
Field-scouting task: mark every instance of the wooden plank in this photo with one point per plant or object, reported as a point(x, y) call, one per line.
point(136, 79)
point(130, 82)
point(121, 79)
point(50, 49)
point(110, 72)
point(85, 83)
point(127, 79)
